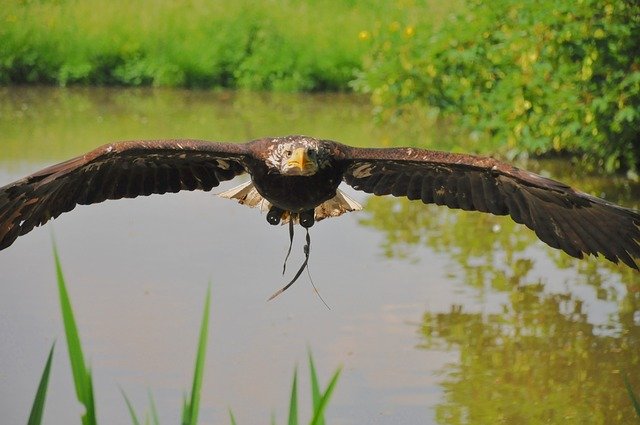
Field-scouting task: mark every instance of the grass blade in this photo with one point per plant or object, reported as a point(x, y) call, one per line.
point(632, 396)
point(185, 410)
point(319, 411)
point(155, 420)
point(35, 417)
point(293, 404)
point(132, 412)
point(231, 418)
point(81, 374)
point(315, 388)
point(190, 413)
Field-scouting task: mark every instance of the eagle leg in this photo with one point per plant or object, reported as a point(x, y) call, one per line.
point(274, 215)
point(307, 218)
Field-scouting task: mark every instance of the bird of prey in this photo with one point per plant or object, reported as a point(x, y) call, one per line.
point(296, 178)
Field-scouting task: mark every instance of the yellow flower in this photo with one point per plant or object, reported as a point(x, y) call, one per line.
point(394, 26)
point(409, 31)
point(364, 35)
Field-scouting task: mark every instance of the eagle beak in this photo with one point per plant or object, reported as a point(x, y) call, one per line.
point(299, 163)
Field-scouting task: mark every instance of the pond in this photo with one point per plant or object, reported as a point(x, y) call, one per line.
point(436, 316)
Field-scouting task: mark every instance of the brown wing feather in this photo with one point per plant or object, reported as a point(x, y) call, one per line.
point(114, 171)
point(562, 217)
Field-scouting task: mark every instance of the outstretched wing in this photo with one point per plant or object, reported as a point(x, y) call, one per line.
point(114, 171)
point(562, 217)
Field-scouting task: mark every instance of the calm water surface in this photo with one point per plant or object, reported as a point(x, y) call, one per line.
point(437, 316)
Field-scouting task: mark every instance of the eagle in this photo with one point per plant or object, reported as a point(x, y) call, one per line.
point(295, 179)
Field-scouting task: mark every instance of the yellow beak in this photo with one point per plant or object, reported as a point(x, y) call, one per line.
point(301, 161)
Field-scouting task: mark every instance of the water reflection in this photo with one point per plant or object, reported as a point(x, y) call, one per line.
point(485, 249)
point(539, 360)
point(555, 348)
point(509, 330)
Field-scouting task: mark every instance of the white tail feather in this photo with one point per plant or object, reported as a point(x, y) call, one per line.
point(247, 194)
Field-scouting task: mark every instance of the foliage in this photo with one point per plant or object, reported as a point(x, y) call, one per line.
point(82, 378)
point(319, 399)
point(285, 45)
point(192, 406)
point(37, 409)
point(539, 77)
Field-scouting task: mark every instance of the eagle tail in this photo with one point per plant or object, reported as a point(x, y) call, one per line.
point(246, 194)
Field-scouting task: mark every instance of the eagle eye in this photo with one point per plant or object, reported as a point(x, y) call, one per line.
point(287, 153)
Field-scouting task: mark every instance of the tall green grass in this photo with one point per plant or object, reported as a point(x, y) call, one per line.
point(320, 399)
point(82, 379)
point(191, 404)
point(282, 45)
point(37, 409)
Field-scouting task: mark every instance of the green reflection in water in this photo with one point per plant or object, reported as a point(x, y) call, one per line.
point(44, 124)
point(537, 361)
point(539, 358)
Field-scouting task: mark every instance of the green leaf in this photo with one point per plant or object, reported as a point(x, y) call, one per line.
point(324, 400)
point(35, 417)
point(154, 410)
point(191, 408)
point(293, 404)
point(132, 412)
point(81, 374)
point(315, 388)
point(231, 418)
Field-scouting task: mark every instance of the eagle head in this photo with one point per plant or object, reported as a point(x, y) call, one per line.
point(297, 155)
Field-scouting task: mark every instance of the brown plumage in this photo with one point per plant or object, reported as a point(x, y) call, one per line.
point(297, 177)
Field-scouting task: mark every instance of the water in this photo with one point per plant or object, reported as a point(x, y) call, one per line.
point(437, 316)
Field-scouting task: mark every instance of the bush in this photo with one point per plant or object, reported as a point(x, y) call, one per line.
point(539, 76)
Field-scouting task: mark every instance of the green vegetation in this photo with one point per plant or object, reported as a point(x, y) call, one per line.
point(82, 379)
point(537, 77)
point(287, 45)
point(37, 409)
point(529, 77)
point(191, 405)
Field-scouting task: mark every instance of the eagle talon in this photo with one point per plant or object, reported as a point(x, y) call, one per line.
point(307, 218)
point(274, 215)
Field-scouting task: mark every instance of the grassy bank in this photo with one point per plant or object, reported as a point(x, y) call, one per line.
point(285, 45)
point(196, 43)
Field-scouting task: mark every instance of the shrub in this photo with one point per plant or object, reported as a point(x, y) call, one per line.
point(539, 76)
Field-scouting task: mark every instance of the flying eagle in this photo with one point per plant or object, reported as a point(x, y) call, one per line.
point(296, 178)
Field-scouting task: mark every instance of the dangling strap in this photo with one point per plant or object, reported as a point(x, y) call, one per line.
point(284, 266)
point(307, 250)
